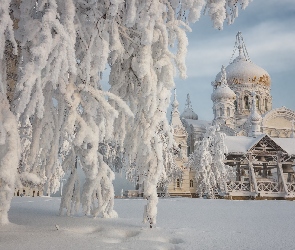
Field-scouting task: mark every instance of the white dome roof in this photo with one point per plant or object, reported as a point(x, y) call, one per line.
point(255, 117)
point(242, 71)
point(223, 92)
point(188, 113)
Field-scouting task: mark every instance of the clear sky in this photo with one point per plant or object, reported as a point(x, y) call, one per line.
point(268, 29)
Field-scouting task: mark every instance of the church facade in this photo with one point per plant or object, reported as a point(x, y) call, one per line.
point(260, 139)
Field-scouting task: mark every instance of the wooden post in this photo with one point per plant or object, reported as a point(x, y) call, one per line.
point(252, 175)
point(264, 173)
point(253, 178)
point(280, 170)
point(238, 169)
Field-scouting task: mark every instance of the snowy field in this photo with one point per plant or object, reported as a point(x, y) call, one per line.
point(182, 224)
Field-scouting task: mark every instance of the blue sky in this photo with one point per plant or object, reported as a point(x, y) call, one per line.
point(268, 28)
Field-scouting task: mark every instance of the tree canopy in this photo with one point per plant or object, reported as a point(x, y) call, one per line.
point(55, 116)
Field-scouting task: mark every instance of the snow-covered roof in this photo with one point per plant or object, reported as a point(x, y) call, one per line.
point(242, 71)
point(241, 144)
point(223, 92)
point(188, 113)
point(198, 123)
point(288, 144)
point(278, 112)
point(255, 116)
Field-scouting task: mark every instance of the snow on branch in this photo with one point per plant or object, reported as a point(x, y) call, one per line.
point(64, 47)
point(9, 157)
point(208, 161)
point(6, 28)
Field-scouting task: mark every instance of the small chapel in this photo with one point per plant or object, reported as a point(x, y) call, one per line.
point(260, 140)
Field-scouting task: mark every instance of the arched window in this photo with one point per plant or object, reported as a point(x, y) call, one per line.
point(177, 183)
point(257, 102)
point(265, 103)
point(246, 102)
point(191, 183)
point(236, 105)
point(228, 111)
point(179, 151)
point(220, 112)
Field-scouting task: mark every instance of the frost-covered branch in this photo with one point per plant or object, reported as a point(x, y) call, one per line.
point(9, 157)
point(63, 47)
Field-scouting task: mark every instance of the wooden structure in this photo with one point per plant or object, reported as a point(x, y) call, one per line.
point(264, 167)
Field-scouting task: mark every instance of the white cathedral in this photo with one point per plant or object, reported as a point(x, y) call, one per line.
point(260, 140)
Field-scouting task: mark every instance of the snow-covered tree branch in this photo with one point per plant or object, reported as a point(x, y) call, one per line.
point(208, 161)
point(63, 47)
point(9, 157)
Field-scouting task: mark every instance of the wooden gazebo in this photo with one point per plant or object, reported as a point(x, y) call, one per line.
point(264, 167)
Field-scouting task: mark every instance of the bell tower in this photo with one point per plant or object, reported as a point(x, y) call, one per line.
point(179, 132)
point(244, 77)
point(223, 102)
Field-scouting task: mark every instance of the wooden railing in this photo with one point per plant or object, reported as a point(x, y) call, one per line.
point(235, 186)
point(291, 187)
point(268, 186)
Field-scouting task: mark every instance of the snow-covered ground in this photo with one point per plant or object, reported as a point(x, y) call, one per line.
point(182, 224)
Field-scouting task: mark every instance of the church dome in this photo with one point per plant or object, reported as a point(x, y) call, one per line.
point(223, 92)
point(255, 117)
point(188, 113)
point(242, 71)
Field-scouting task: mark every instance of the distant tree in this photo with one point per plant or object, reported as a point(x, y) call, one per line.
point(208, 161)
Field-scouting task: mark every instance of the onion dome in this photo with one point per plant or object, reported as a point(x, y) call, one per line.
point(242, 71)
point(175, 103)
point(223, 91)
point(188, 112)
point(255, 117)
